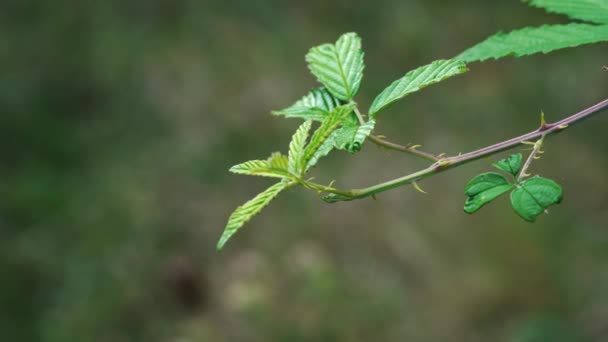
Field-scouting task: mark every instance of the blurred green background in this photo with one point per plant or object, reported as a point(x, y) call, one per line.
point(119, 120)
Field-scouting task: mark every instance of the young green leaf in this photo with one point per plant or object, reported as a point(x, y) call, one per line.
point(511, 164)
point(327, 127)
point(276, 166)
point(483, 189)
point(595, 11)
point(314, 106)
point(534, 196)
point(326, 147)
point(296, 148)
point(350, 137)
point(248, 210)
point(415, 80)
point(339, 67)
point(533, 40)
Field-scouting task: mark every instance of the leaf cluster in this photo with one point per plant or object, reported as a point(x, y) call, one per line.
point(529, 198)
point(340, 125)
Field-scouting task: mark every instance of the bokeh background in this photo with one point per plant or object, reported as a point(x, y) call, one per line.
point(119, 120)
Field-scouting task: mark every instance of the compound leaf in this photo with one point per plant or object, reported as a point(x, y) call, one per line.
point(587, 10)
point(531, 40)
point(327, 127)
point(511, 164)
point(483, 189)
point(315, 106)
point(534, 196)
point(276, 166)
point(296, 148)
point(339, 67)
point(415, 80)
point(245, 212)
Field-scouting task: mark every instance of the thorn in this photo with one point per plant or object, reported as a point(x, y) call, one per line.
point(415, 147)
point(543, 123)
point(605, 68)
point(527, 175)
point(374, 197)
point(540, 152)
point(563, 127)
point(528, 143)
point(331, 183)
point(417, 187)
point(536, 157)
point(381, 136)
point(440, 155)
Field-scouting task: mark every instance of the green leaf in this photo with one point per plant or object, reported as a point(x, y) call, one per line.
point(315, 106)
point(483, 189)
point(534, 196)
point(296, 148)
point(533, 40)
point(415, 80)
point(511, 164)
point(588, 10)
point(324, 149)
point(351, 137)
point(276, 166)
point(248, 210)
point(327, 127)
point(339, 67)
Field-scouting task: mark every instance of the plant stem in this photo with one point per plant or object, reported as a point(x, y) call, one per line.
point(407, 149)
point(394, 146)
point(535, 151)
point(444, 164)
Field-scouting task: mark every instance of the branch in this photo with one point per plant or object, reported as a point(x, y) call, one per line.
point(444, 164)
point(393, 146)
point(407, 149)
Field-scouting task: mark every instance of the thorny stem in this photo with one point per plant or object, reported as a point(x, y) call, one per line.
point(393, 146)
point(407, 149)
point(533, 155)
point(447, 163)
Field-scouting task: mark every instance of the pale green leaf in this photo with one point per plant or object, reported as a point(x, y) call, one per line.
point(534, 196)
point(296, 148)
point(276, 166)
point(533, 40)
point(415, 80)
point(314, 106)
point(326, 147)
point(327, 127)
point(587, 10)
point(350, 137)
point(248, 210)
point(483, 189)
point(339, 67)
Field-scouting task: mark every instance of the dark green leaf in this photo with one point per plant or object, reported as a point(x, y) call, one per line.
point(534, 196)
point(483, 189)
point(511, 164)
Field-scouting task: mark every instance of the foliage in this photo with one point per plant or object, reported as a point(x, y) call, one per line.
point(530, 198)
point(339, 68)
